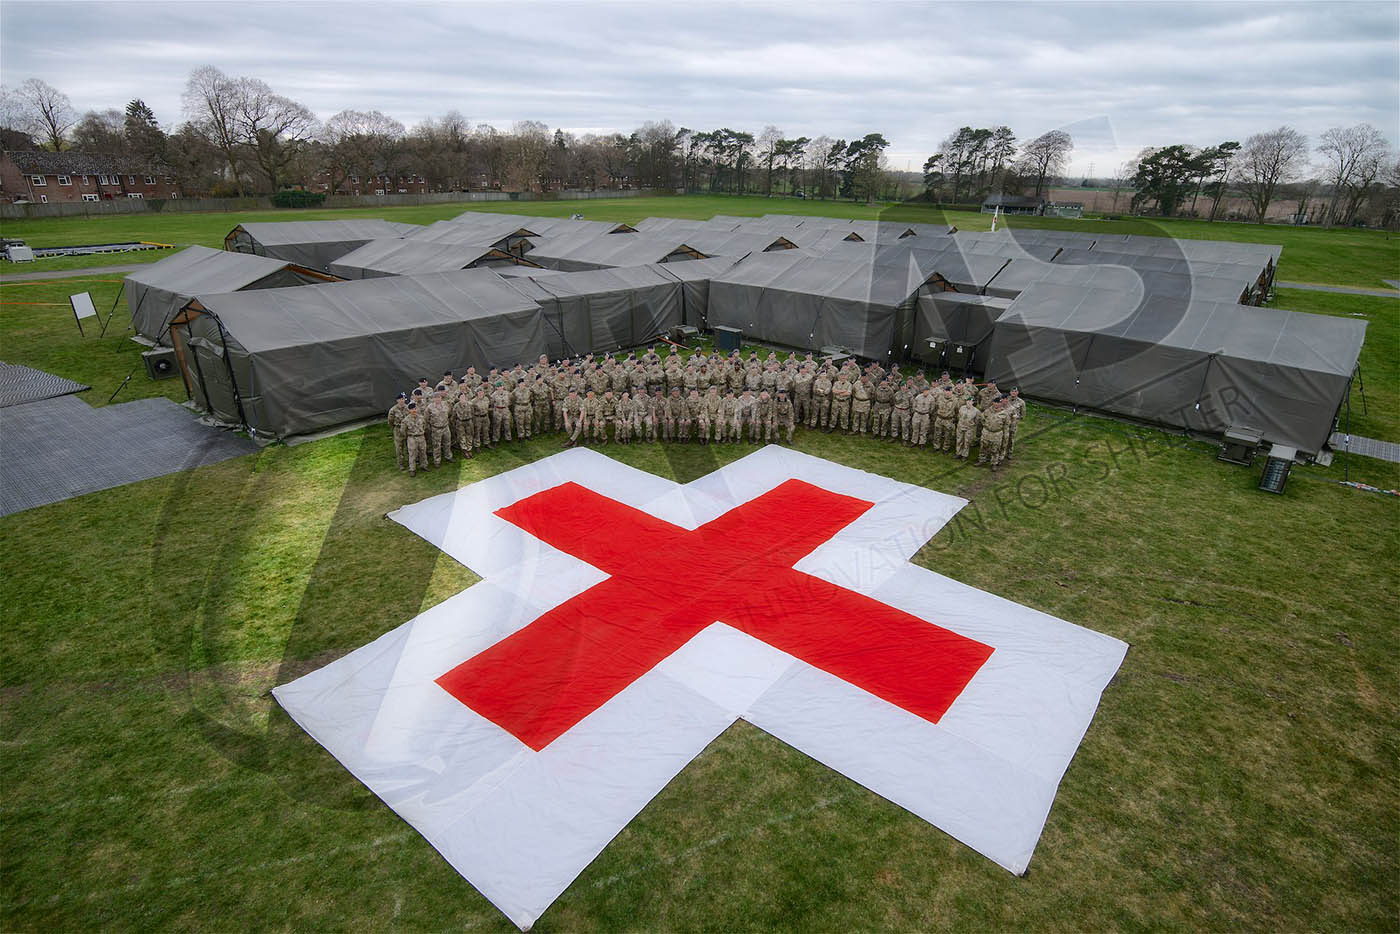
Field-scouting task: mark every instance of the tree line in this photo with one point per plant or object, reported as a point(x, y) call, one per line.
point(240, 137)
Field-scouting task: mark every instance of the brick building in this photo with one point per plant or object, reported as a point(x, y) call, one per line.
point(53, 177)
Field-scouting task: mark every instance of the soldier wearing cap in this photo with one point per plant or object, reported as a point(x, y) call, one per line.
point(622, 418)
point(945, 418)
point(500, 412)
point(1015, 411)
point(396, 415)
point(709, 415)
point(968, 418)
point(922, 409)
point(439, 418)
point(900, 430)
point(656, 416)
point(523, 410)
point(573, 416)
point(883, 409)
point(481, 418)
point(423, 388)
point(462, 421)
point(819, 413)
point(988, 395)
point(448, 382)
point(993, 434)
point(784, 417)
point(414, 428)
point(861, 399)
point(766, 417)
point(541, 416)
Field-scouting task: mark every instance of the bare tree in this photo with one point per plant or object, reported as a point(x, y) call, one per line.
point(1349, 153)
point(211, 106)
point(101, 132)
point(1046, 156)
point(1122, 179)
point(1269, 159)
point(274, 128)
point(45, 112)
point(360, 144)
point(768, 142)
point(527, 153)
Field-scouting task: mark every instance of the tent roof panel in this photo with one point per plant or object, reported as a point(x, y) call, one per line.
point(271, 319)
point(199, 268)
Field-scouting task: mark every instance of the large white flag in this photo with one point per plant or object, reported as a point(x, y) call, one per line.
point(624, 621)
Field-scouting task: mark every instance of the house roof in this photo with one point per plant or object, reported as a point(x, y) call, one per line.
point(83, 163)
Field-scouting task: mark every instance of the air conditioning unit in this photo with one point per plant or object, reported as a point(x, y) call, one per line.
point(1277, 467)
point(160, 362)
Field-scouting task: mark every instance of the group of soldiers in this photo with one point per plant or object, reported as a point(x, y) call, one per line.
point(699, 398)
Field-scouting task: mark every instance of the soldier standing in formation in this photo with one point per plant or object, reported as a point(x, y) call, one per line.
point(701, 399)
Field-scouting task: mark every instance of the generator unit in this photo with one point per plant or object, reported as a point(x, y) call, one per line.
point(1277, 467)
point(1239, 445)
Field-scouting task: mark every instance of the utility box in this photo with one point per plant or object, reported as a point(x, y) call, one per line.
point(682, 333)
point(958, 356)
point(933, 355)
point(727, 339)
point(1239, 445)
point(1277, 467)
point(160, 362)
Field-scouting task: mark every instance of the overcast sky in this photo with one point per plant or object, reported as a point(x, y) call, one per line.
point(1118, 76)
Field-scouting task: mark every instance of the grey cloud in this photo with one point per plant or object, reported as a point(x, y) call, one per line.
point(1126, 75)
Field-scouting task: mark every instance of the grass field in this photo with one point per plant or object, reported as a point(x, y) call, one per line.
point(1335, 257)
point(1241, 771)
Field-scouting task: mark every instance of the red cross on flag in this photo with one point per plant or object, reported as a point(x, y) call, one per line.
point(624, 621)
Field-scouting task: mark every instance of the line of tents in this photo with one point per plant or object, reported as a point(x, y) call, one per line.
point(299, 327)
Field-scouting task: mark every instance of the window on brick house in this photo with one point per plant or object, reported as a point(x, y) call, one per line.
point(150, 179)
point(65, 180)
point(38, 180)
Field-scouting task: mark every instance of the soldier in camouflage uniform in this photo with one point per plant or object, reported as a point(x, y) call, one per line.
point(784, 417)
point(988, 395)
point(656, 416)
point(883, 410)
point(396, 416)
point(462, 422)
point(542, 417)
point(765, 418)
point(820, 414)
point(993, 434)
point(523, 410)
point(697, 424)
point(968, 418)
point(709, 411)
point(500, 413)
point(481, 418)
point(622, 419)
point(573, 417)
point(861, 400)
point(414, 428)
point(900, 430)
point(922, 408)
point(641, 411)
point(945, 418)
point(802, 393)
point(439, 428)
point(1015, 411)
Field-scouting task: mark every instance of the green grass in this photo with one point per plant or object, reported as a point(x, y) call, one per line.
point(1336, 257)
point(1241, 771)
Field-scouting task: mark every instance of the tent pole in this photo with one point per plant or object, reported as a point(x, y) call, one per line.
point(1346, 439)
point(1361, 384)
point(233, 381)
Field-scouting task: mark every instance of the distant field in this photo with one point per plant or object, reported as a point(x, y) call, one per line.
point(1334, 257)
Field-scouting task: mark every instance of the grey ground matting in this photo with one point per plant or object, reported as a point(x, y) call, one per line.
point(1366, 447)
point(62, 447)
point(22, 384)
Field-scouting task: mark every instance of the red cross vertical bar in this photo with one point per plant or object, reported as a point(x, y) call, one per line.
point(665, 584)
